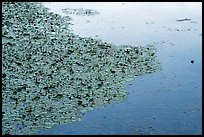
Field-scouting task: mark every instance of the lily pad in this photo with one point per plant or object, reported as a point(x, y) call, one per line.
point(66, 76)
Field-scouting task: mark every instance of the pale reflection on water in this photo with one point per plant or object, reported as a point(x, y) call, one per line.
point(130, 22)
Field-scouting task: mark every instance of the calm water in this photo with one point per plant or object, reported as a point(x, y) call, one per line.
point(166, 102)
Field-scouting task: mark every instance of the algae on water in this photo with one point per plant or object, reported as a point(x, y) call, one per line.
point(51, 76)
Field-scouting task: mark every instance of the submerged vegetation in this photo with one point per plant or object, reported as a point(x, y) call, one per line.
point(51, 76)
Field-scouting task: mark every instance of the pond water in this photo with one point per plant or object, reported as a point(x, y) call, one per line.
point(165, 102)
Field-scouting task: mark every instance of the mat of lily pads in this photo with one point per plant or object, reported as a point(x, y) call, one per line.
point(51, 76)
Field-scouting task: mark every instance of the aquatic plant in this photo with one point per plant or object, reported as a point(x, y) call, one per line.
point(80, 11)
point(51, 76)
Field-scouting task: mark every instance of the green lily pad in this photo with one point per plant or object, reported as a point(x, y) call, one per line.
point(66, 76)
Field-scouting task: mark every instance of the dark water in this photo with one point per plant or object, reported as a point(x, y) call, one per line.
point(166, 102)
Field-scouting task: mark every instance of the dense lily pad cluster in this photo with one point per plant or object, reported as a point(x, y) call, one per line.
point(51, 76)
point(80, 11)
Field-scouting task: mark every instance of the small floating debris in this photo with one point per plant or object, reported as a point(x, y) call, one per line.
point(149, 22)
point(192, 61)
point(193, 22)
point(169, 29)
point(80, 11)
point(185, 19)
point(150, 127)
